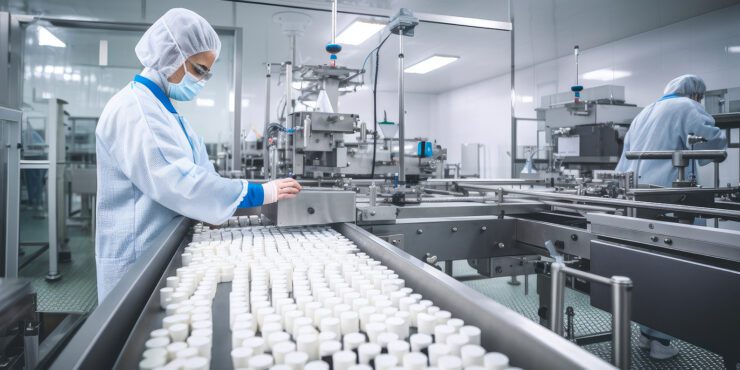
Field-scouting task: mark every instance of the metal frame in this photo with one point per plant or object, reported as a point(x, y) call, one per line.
point(54, 114)
point(621, 294)
point(4, 61)
point(423, 17)
point(12, 195)
point(698, 240)
point(105, 332)
point(622, 203)
point(527, 343)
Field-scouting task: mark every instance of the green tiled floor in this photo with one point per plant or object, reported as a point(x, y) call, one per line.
point(588, 320)
point(76, 291)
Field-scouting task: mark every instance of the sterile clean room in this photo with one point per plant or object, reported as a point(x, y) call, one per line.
point(369, 184)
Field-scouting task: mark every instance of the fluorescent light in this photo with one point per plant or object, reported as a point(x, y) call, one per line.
point(358, 32)
point(203, 102)
point(526, 99)
point(46, 38)
point(430, 64)
point(606, 74)
point(733, 49)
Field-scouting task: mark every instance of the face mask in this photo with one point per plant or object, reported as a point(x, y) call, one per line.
point(187, 89)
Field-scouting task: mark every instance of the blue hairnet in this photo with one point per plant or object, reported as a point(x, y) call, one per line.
point(175, 36)
point(686, 85)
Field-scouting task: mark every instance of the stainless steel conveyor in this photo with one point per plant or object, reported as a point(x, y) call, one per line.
point(114, 334)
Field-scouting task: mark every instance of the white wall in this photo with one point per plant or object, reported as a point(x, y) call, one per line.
point(481, 112)
point(419, 112)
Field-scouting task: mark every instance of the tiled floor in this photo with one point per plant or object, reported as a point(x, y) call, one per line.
point(76, 291)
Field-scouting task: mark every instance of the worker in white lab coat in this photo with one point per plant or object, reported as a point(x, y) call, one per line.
point(152, 166)
point(666, 125)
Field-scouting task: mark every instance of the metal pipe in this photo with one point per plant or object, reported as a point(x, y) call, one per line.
point(288, 92)
point(456, 199)
point(621, 319)
point(401, 111)
point(274, 163)
point(265, 152)
point(334, 22)
point(293, 48)
point(716, 187)
point(236, 152)
point(443, 192)
point(485, 181)
point(621, 290)
point(685, 154)
point(512, 83)
point(52, 136)
point(725, 213)
point(582, 207)
point(557, 296)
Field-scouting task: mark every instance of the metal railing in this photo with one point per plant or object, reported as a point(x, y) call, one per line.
point(621, 291)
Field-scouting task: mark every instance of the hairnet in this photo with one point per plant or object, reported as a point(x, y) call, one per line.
point(686, 85)
point(175, 36)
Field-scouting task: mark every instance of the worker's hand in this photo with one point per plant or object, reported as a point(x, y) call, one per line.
point(280, 189)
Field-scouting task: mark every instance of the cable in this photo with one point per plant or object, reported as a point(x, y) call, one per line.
point(377, 48)
point(375, 98)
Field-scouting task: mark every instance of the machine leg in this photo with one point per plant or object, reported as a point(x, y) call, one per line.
point(31, 344)
point(514, 281)
point(448, 267)
point(543, 292)
point(621, 321)
point(557, 286)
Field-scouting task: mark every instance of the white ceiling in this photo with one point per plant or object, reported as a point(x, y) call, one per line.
point(544, 30)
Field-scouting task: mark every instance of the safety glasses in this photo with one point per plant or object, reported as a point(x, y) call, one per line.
point(199, 72)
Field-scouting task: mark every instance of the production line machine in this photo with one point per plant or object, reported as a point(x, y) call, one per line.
point(635, 258)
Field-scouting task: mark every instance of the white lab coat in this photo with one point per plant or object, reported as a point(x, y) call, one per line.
point(665, 125)
point(148, 174)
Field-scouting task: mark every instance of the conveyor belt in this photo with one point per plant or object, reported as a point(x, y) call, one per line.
point(132, 312)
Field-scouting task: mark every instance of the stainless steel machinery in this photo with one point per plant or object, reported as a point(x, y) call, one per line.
point(312, 144)
point(580, 136)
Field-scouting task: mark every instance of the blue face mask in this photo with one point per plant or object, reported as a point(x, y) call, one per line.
point(187, 89)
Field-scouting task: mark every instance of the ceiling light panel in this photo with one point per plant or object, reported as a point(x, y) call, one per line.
point(358, 32)
point(430, 64)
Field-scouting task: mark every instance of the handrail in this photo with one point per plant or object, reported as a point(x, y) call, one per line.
point(621, 308)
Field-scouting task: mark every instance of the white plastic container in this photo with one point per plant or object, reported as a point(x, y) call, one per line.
point(342, 360)
point(367, 352)
point(472, 355)
point(240, 357)
point(495, 361)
